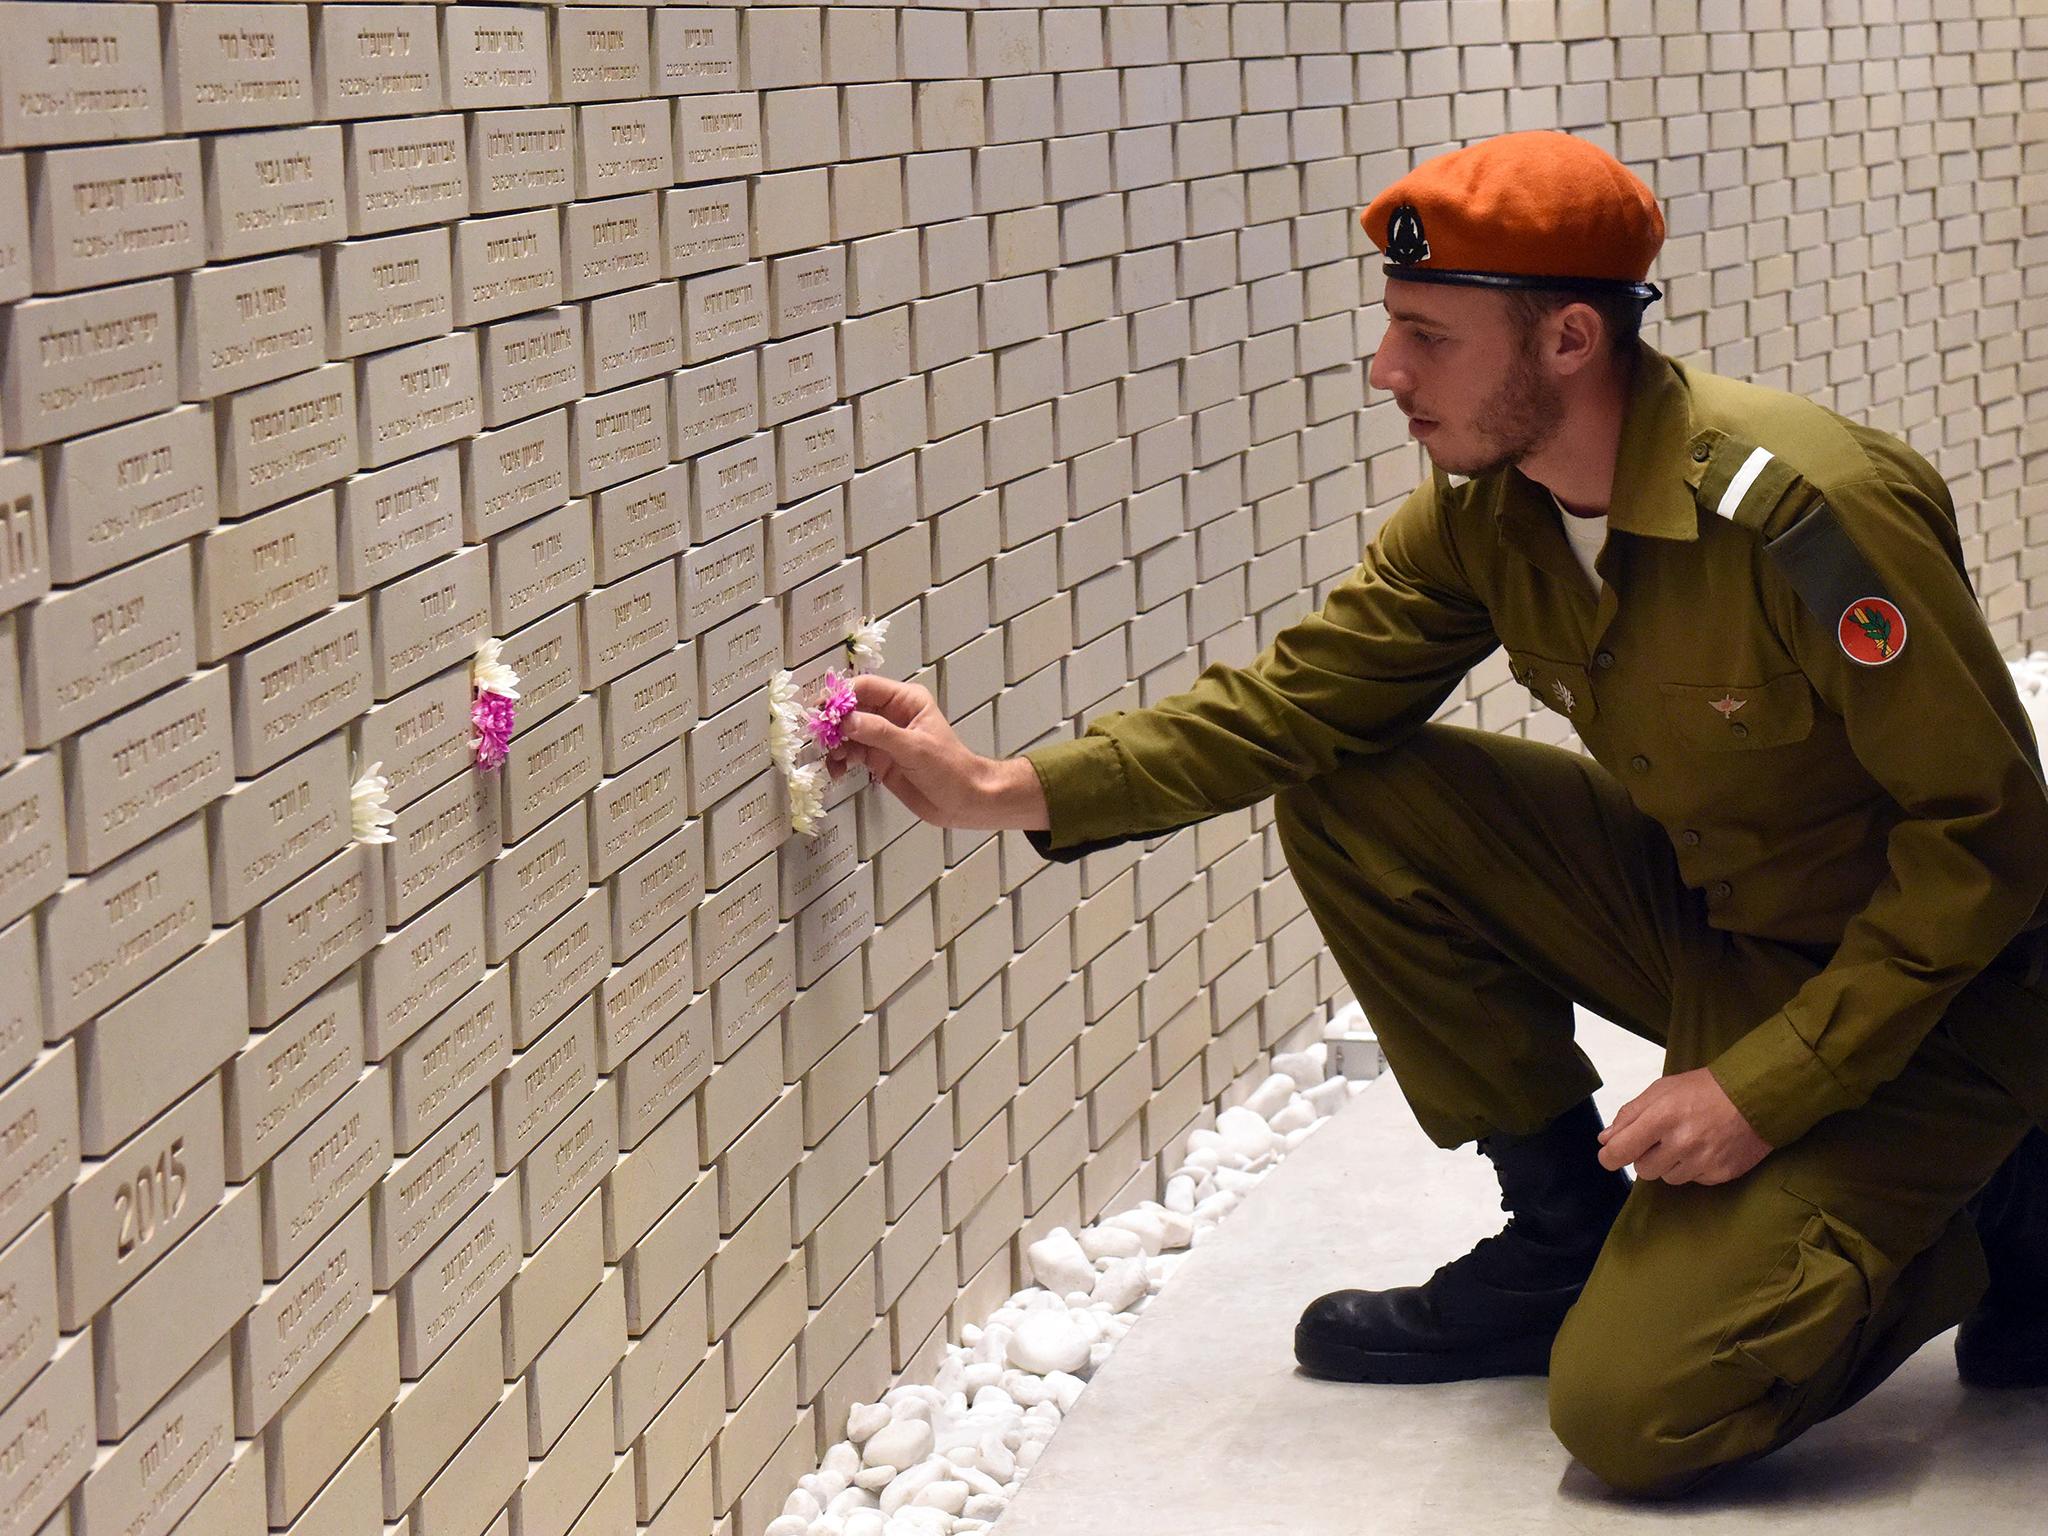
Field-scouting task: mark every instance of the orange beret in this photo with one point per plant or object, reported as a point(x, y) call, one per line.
point(1536, 209)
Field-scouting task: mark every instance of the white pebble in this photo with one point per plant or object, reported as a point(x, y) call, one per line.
point(1180, 1193)
point(863, 1419)
point(1121, 1286)
point(1058, 1263)
point(787, 1525)
point(1271, 1096)
point(903, 1444)
point(1047, 1342)
point(875, 1479)
point(866, 1522)
point(946, 1494)
point(1298, 1116)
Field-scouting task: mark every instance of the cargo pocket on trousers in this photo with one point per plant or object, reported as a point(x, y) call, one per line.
point(1813, 1304)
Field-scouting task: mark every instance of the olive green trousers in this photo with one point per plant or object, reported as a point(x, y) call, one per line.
point(1472, 886)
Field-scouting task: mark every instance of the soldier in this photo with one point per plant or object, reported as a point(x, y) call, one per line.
point(1807, 854)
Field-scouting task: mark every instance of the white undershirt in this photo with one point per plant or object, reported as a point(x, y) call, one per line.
point(1585, 535)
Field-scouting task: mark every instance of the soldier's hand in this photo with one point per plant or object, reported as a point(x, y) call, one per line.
point(1683, 1129)
point(908, 747)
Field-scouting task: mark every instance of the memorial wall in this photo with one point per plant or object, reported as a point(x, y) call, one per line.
point(569, 1162)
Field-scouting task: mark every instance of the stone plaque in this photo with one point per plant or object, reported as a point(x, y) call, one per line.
point(725, 311)
point(300, 1321)
point(521, 159)
point(21, 1005)
point(569, 1163)
point(542, 1083)
point(732, 921)
point(798, 375)
point(507, 265)
point(131, 1067)
point(717, 403)
point(388, 291)
point(814, 453)
point(405, 171)
point(819, 615)
point(696, 51)
point(634, 335)
point(442, 838)
point(376, 61)
point(450, 1286)
point(283, 1079)
point(550, 765)
point(538, 566)
point(89, 650)
point(725, 751)
point(115, 213)
point(302, 938)
point(419, 397)
point(495, 56)
point(627, 623)
point(236, 66)
point(273, 191)
point(664, 1072)
point(452, 1060)
point(307, 683)
point(426, 1192)
point(13, 740)
point(611, 244)
point(736, 657)
point(87, 360)
point(705, 227)
point(548, 656)
point(269, 830)
point(733, 486)
point(754, 991)
point(657, 890)
point(147, 768)
point(559, 965)
point(640, 522)
point(248, 323)
point(421, 967)
point(16, 277)
point(642, 995)
point(421, 737)
point(514, 473)
point(51, 1424)
point(623, 146)
point(398, 518)
point(601, 53)
point(38, 1140)
point(618, 436)
point(535, 881)
point(635, 810)
point(281, 440)
point(805, 540)
point(532, 363)
point(718, 137)
point(265, 574)
point(427, 621)
point(32, 860)
point(807, 290)
point(28, 1306)
point(324, 1171)
point(743, 826)
point(651, 704)
point(129, 1210)
point(71, 72)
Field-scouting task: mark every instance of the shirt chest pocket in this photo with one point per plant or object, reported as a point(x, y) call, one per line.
point(1558, 685)
point(1739, 717)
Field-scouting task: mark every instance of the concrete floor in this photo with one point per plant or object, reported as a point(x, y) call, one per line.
point(1199, 1425)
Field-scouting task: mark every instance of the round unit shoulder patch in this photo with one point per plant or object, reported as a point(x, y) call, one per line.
point(1872, 631)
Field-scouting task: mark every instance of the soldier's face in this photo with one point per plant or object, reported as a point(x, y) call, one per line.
point(1453, 358)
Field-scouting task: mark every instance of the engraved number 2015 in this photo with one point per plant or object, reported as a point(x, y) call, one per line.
point(155, 1197)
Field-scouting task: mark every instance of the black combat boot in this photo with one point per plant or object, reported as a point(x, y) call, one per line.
point(2004, 1342)
point(1495, 1311)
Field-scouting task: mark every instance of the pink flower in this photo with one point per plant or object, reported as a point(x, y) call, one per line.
point(491, 714)
point(825, 719)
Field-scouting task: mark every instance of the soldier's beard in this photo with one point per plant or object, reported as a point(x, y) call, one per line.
point(1518, 419)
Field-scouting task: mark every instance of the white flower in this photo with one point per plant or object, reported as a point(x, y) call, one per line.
point(785, 721)
point(368, 814)
point(866, 643)
point(806, 797)
point(487, 674)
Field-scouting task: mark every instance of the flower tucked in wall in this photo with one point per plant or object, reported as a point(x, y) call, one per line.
point(806, 797)
point(825, 721)
point(369, 813)
point(865, 644)
point(785, 721)
point(490, 712)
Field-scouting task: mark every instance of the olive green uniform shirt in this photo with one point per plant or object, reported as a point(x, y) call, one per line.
point(1894, 811)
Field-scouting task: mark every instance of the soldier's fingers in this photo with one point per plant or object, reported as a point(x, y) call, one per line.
point(1656, 1162)
point(1631, 1141)
point(895, 701)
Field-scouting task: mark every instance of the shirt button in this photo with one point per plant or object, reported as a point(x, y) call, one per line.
point(1700, 451)
point(1738, 728)
point(1640, 763)
point(1604, 659)
point(1722, 890)
point(1692, 838)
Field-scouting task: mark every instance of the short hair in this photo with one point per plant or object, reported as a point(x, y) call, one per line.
point(1621, 314)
